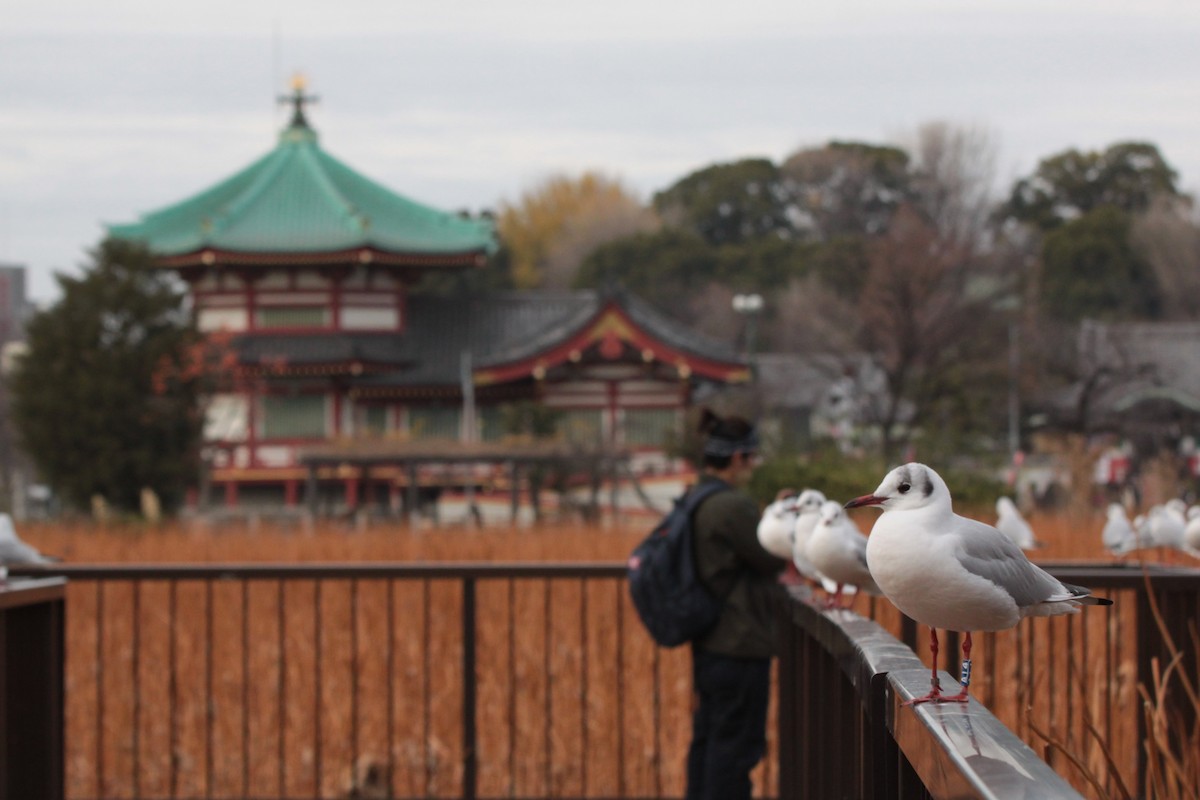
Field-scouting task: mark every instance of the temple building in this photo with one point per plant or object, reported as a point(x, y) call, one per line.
point(305, 269)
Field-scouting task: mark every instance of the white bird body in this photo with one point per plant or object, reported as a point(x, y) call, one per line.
point(1161, 527)
point(1191, 532)
point(1010, 522)
point(948, 571)
point(1118, 537)
point(776, 527)
point(15, 551)
point(838, 549)
point(808, 511)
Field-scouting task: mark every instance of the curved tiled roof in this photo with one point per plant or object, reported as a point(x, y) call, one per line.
point(299, 199)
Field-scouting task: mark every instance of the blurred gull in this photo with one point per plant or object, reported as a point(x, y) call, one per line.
point(776, 526)
point(838, 550)
point(1010, 522)
point(947, 571)
point(14, 551)
point(1191, 532)
point(808, 508)
point(1118, 536)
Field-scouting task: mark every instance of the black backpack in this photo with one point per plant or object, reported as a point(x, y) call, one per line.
point(667, 593)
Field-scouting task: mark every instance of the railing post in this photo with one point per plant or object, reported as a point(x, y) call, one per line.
point(470, 752)
point(32, 617)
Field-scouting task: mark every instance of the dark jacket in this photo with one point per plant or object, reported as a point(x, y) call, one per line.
point(733, 565)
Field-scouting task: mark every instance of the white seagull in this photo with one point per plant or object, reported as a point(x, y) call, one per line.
point(948, 571)
point(14, 551)
point(1191, 532)
point(1164, 525)
point(1010, 522)
point(838, 550)
point(1118, 536)
point(776, 526)
point(808, 511)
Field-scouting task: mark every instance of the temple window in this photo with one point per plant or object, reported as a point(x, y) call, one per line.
point(582, 425)
point(215, 319)
point(294, 417)
point(373, 419)
point(649, 427)
point(292, 317)
point(434, 422)
point(370, 318)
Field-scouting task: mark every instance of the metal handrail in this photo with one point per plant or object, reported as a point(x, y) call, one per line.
point(876, 747)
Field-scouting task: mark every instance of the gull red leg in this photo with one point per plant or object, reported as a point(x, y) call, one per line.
point(965, 680)
point(935, 686)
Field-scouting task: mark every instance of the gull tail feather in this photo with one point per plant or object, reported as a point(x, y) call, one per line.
point(1083, 596)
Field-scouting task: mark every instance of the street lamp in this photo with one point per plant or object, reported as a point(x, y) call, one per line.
point(749, 306)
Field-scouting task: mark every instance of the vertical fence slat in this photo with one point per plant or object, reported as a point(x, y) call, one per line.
point(99, 768)
point(209, 710)
point(281, 687)
point(318, 689)
point(245, 688)
point(172, 691)
point(134, 663)
point(470, 755)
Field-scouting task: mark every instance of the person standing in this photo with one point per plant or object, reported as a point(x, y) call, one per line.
point(731, 663)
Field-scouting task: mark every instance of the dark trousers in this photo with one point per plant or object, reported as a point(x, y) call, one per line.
point(729, 727)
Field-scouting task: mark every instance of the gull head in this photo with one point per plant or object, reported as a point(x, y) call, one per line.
point(1005, 506)
point(809, 501)
point(905, 488)
point(831, 512)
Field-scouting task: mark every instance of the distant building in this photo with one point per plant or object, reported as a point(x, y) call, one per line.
point(14, 305)
point(15, 471)
point(306, 267)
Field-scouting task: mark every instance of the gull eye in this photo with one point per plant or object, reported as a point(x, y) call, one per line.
point(904, 487)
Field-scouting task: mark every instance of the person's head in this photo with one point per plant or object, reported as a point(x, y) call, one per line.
point(730, 445)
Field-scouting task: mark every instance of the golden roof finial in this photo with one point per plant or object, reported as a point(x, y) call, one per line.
point(298, 98)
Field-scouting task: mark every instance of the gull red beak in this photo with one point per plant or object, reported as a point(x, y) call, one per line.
point(865, 500)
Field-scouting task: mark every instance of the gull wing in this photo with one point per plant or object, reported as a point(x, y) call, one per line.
point(984, 551)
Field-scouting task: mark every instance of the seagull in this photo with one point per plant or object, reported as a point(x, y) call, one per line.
point(1118, 536)
point(1010, 522)
point(1191, 532)
point(839, 552)
point(776, 526)
point(808, 508)
point(947, 571)
point(14, 551)
point(1164, 525)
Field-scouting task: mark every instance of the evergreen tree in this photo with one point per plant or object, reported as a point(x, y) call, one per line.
point(104, 402)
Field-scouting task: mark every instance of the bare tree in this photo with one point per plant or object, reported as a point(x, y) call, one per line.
point(926, 332)
point(1168, 237)
point(811, 318)
point(710, 311)
point(954, 171)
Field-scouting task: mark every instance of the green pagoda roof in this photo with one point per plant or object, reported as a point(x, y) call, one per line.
point(299, 199)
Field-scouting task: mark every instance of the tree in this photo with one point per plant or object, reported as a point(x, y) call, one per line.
point(1167, 236)
point(90, 406)
point(1127, 176)
point(1089, 269)
point(845, 189)
point(953, 171)
point(729, 203)
point(549, 231)
point(929, 335)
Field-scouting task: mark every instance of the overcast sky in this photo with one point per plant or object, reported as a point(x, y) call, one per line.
point(109, 110)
